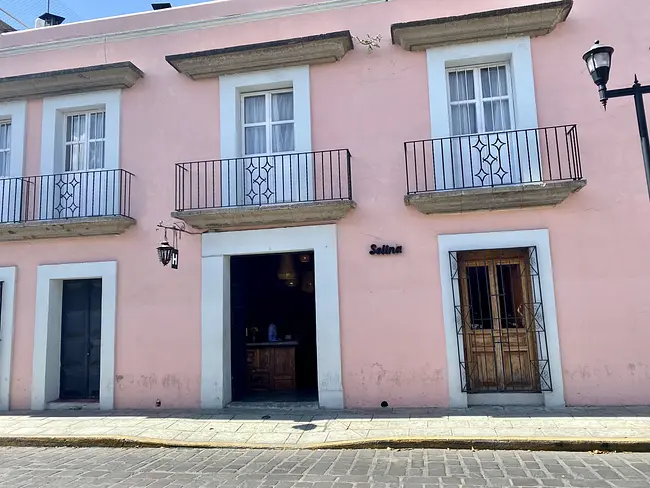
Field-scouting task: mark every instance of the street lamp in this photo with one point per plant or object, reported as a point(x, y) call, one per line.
point(599, 62)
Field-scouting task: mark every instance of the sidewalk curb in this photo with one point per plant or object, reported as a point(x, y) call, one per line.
point(479, 443)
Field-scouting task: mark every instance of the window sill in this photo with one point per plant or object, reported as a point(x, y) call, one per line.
point(75, 227)
point(494, 198)
point(528, 20)
point(265, 216)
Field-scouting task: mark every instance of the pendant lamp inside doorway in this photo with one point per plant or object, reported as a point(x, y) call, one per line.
point(287, 271)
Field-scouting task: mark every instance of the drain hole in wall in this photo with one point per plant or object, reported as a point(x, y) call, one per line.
point(384, 404)
point(158, 403)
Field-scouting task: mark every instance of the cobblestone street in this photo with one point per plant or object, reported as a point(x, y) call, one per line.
point(193, 468)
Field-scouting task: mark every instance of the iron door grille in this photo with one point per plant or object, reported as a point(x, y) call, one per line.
point(499, 318)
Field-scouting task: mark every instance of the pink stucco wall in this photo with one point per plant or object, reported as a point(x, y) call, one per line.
point(393, 344)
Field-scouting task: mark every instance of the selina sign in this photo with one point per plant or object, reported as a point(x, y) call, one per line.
point(385, 249)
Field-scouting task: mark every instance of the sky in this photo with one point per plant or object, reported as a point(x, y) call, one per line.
point(75, 10)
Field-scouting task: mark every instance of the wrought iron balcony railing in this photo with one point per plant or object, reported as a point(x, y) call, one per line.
point(264, 180)
point(493, 159)
point(81, 194)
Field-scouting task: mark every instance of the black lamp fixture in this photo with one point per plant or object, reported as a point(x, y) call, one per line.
point(165, 252)
point(168, 253)
point(599, 63)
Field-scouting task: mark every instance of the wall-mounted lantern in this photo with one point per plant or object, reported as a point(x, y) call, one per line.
point(168, 253)
point(165, 253)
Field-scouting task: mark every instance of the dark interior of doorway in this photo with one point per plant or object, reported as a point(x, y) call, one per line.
point(283, 370)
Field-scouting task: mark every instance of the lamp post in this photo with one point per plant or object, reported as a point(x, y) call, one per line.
point(599, 62)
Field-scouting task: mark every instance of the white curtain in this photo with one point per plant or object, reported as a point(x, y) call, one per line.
point(496, 112)
point(5, 148)
point(255, 135)
point(282, 111)
point(257, 121)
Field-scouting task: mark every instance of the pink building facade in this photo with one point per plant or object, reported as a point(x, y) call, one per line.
point(398, 186)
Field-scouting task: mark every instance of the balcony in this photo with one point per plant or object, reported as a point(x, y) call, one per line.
point(86, 203)
point(496, 170)
point(265, 191)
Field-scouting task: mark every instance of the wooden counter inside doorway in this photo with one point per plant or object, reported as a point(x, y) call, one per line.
point(271, 366)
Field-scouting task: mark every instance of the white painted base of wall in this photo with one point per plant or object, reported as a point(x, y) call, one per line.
point(500, 240)
point(505, 399)
point(8, 278)
point(47, 329)
point(216, 387)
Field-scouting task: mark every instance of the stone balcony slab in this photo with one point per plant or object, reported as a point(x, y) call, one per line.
point(318, 49)
point(494, 198)
point(528, 20)
point(74, 227)
point(277, 215)
point(63, 82)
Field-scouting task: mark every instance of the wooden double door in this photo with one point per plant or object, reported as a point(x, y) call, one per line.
point(498, 323)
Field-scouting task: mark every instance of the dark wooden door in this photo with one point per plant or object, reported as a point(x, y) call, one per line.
point(80, 339)
point(238, 356)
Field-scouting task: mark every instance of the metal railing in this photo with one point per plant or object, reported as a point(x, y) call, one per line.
point(80, 194)
point(264, 180)
point(493, 159)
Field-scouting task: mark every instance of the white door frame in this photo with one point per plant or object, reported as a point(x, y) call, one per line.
point(501, 240)
point(8, 278)
point(47, 329)
point(216, 385)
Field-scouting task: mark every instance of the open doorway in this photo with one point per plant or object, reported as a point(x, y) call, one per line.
point(273, 328)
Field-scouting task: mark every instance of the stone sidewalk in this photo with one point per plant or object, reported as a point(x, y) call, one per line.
point(494, 427)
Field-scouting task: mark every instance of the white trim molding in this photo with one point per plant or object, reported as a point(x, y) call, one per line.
point(217, 248)
point(231, 88)
point(501, 240)
point(8, 278)
point(16, 112)
point(47, 329)
point(204, 23)
point(54, 110)
point(516, 52)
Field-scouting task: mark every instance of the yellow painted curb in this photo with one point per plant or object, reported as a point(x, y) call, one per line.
point(491, 443)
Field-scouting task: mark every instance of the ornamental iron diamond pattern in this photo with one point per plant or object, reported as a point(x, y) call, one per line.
point(499, 319)
point(493, 159)
point(316, 176)
point(71, 195)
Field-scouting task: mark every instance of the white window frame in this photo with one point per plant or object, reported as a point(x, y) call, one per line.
point(268, 123)
point(516, 52)
point(53, 127)
point(16, 113)
point(47, 329)
point(216, 250)
point(538, 238)
point(479, 98)
point(231, 87)
point(86, 141)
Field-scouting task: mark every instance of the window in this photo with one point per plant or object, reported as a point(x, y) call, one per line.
point(480, 99)
point(5, 148)
point(84, 141)
point(268, 123)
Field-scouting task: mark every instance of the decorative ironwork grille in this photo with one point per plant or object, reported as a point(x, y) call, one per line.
point(509, 157)
point(75, 194)
point(499, 315)
point(316, 176)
